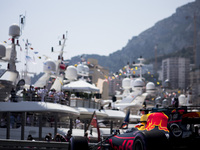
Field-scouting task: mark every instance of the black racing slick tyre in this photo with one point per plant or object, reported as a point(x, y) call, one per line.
point(151, 140)
point(78, 143)
point(139, 144)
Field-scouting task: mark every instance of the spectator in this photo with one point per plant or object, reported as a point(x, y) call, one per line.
point(59, 138)
point(28, 120)
point(24, 92)
point(43, 92)
point(68, 136)
point(176, 102)
point(12, 121)
point(51, 93)
point(56, 96)
point(3, 122)
point(78, 123)
point(31, 93)
point(48, 137)
point(61, 96)
point(18, 120)
point(30, 138)
point(13, 95)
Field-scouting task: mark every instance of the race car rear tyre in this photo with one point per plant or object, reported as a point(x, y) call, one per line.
point(151, 140)
point(78, 143)
point(139, 144)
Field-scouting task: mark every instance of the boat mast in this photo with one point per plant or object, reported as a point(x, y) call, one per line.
point(14, 32)
point(60, 56)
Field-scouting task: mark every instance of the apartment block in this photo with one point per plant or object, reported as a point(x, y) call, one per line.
point(176, 70)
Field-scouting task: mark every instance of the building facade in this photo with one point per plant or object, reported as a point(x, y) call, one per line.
point(195, 85)
point(97, 75)
point(176, 70)
point(115, 85)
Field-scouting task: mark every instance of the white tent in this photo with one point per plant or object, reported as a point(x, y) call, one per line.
point(80, 86)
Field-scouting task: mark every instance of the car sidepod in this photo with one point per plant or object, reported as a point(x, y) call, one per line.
point(123, 141)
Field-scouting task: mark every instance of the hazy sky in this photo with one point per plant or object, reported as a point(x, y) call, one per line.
point(94, 26)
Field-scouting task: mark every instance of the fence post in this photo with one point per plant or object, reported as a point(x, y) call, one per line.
point(111, 126)
point(22, 125)
point(55, 123)
point(40, 127)
point(71, 125)
point(8, 126)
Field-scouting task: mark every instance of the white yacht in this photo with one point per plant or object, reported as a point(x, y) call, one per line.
point(28, 115)
point(32, 115)
point(134, 94)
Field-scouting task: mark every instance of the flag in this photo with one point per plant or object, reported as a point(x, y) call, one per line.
point(94, 124)
point(29, 59)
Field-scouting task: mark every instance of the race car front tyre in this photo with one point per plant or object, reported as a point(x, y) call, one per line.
point(78, 143)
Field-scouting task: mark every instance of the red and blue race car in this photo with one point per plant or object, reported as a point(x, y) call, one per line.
point(165, 128)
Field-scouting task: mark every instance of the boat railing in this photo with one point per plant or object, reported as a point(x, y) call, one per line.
point(86, 103)
point(73, 102)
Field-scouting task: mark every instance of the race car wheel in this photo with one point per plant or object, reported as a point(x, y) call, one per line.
point(151, 140)
point(138, 144)
point(156, 140)
point(78, 143)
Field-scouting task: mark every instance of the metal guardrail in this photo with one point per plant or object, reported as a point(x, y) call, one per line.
point(39, 145)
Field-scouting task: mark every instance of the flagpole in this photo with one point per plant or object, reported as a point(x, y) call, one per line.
point(98, 131)
point(90, 120)
point(97, 126)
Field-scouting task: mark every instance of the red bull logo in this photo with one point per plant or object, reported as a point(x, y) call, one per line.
point(192, 115)
point(157, 120)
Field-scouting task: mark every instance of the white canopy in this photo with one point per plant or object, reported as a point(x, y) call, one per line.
point(80, 86)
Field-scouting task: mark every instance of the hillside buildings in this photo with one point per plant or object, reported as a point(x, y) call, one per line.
point(115, 85)
point(195, 84)
point(176, 70)
point(97, 75)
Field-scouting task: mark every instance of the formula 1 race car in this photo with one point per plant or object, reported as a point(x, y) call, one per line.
point(165, 128)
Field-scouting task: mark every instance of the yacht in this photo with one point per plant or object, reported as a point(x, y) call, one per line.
point(28, 114)
point(134, 95)
point(32, 115)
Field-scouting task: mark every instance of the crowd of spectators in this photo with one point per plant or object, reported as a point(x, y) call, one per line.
point(40, 94)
